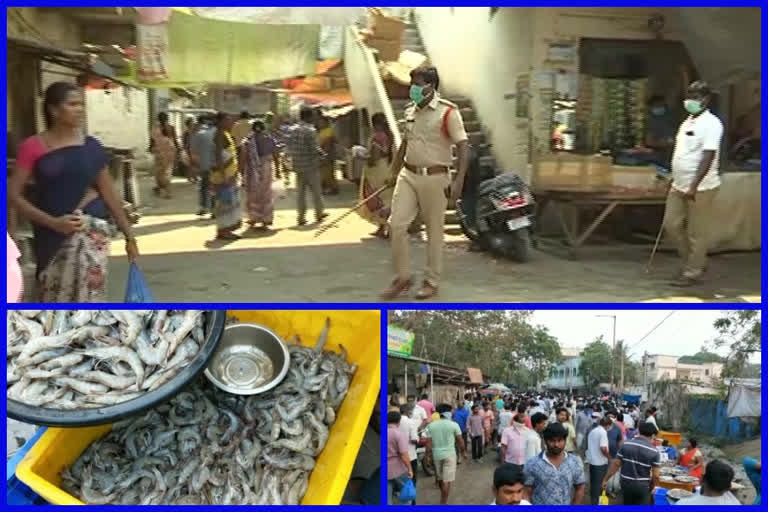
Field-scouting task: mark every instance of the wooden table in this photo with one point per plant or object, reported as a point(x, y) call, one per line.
point(606, 199)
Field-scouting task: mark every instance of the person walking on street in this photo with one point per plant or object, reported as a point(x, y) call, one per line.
point(476, 433)
point(564, 418)
point(554, 477)
point(695, 181)
point(640, 465)
point(461, 417)
point(539, 421)
point(433, 126)
point(442, 436)
point(508, 488)
point(514, 440)
point(164, 145)
point(74, 201)
point(419, 414)
point(410, 428)
point(428, 406)
point(201, 153)
point(242, 128)
point(398, 461)
point(615, 436)
point(505, 417)
point(224, 181)
point(305, 154)
point(597, 458)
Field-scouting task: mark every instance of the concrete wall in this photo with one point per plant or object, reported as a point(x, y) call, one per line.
point(480, 58)
point(118, 117)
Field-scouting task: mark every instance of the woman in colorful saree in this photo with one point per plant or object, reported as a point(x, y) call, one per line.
point(375, 175)
point(256, 157)
point(73, 201)
point(164, 146)
point(224, 180)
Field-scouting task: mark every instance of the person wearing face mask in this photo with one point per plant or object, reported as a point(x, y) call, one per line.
point(442, 437)
point(420, 172)
point(695, 181)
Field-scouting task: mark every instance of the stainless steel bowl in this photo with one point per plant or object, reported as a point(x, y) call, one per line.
point(250, 359)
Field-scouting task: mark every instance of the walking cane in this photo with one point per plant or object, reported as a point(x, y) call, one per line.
point(323, 229)
point(655, 246)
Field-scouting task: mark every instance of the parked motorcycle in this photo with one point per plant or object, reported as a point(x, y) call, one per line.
point(496, 212)
point(428, 466)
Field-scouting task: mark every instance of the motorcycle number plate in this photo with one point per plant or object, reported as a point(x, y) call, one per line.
point(518, 223)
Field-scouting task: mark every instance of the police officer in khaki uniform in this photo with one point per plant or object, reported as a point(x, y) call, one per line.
point(423, 186)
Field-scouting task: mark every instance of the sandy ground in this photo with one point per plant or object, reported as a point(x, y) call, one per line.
point(346, 264)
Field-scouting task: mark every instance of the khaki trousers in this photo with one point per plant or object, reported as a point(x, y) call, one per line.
point(687, 223)
point(414, 195)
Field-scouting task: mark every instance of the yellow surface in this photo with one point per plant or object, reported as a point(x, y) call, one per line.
point(358, 331)
point(674, 438)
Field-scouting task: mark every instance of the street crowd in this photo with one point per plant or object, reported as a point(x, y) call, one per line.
point(543, 443)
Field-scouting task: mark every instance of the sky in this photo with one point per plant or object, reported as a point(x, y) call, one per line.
point(681, 334)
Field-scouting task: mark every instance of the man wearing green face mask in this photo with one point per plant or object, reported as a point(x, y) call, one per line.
point(420, 170)
point(695, 180)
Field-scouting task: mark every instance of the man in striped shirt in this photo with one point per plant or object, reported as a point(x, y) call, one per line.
point(640, 464)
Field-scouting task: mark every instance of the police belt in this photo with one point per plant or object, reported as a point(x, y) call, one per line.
point(425, 171)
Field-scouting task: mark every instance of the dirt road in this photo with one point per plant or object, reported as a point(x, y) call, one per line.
point(348, 265)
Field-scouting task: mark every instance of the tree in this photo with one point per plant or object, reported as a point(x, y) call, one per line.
point(740, 332)
point(503, 344)
point(701, 357)
point(596, 363)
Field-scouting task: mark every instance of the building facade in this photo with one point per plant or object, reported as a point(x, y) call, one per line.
point(566, 376)
point(664, 367)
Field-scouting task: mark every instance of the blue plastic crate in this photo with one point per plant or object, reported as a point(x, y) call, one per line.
point(17, 493)
point(660, 496)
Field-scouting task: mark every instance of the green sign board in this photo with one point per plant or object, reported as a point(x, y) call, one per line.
point(399, 341)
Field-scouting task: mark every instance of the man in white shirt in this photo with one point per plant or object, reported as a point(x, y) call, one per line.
point(419, 414)
point(715, 486)
point(597, 458)
point(508, 485)
point(695, 180)
point(410, 427)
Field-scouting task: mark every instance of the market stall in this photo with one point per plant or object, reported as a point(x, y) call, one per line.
point(248, 431)
point(612, 123)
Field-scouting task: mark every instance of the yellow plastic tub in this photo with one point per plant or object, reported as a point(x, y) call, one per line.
point(358, 331)
point(674, 438)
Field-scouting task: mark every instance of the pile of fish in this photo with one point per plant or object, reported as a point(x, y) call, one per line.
point(94, 358)
point(207, 446)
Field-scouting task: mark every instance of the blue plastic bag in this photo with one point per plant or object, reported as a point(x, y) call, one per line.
point(137, 290)
point(408, 492)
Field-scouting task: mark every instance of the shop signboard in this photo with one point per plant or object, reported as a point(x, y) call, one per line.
point(399, 341)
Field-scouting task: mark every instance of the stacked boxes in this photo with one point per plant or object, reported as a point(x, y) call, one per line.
point(384, 34)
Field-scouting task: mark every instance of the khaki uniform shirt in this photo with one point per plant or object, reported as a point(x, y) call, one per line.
point(427, 144)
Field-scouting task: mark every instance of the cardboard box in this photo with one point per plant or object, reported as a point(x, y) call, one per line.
point(388, 50)
point(384, 27)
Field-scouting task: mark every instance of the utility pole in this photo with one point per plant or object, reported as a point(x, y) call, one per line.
point(621, 374)
point(645, 369)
